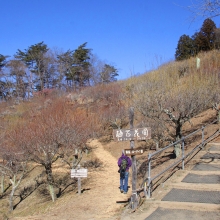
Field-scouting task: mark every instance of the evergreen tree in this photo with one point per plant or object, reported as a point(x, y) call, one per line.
point(4, 84)
point(81, 65)
point(34, 59)
point(2, 61)
point(75, 65)
point(206, 37)
point(217, 38)
point(184, 48)
point(197, 42)
point(204, 40)
point(65, 61)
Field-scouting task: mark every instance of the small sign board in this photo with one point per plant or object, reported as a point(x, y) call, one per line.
point(132, 134)
point(131, 152)
point(78, 173)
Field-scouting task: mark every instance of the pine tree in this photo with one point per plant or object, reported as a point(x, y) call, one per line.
point(205, 39)
point(81, 64)
point(75, 65)
point(217, 38)
point(2, 61)
point(33, 57)
point(184, 48)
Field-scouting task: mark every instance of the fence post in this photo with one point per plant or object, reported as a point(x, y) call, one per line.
point(183, 146)
point(149, 177)
point(145, 189)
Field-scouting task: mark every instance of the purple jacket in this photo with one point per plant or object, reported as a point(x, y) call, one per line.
point(127, 158)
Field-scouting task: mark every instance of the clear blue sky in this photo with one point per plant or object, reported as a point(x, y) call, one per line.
point(133, 35)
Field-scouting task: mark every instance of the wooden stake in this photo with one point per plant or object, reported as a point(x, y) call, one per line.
point(79, 185)
point(79, 182)
point(134, 166)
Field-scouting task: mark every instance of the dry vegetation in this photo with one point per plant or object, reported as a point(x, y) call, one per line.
point(52, 129)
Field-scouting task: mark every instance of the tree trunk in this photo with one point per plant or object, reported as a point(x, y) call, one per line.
point(11, 206)
point(178, 130)
point(50, 180)
point(177, 150)
point(177, 147)
point(15, 185)
point(2, 184)
point(11, 195)
point(51, 190)
point(157, 145)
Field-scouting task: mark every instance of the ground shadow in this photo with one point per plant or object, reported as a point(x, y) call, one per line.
point(83, 190)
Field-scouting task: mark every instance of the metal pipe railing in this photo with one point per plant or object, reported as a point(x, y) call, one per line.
point(150, 179)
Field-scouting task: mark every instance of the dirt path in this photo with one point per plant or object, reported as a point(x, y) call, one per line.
point(100, 194)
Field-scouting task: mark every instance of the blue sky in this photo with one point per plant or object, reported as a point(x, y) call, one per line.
point(133, 35)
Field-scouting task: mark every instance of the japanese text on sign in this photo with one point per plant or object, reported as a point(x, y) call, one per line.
point(132, 134)
point(79, 173)
point(129, 152)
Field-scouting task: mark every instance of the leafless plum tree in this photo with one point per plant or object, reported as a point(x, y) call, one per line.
point(53, 133)
point(175, 102)
point(13, 166)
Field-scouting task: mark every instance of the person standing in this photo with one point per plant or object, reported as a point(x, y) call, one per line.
point(124, 163)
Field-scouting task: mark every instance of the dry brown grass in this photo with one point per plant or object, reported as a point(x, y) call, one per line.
point(104, 97)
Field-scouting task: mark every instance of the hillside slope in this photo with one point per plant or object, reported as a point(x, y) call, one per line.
point(99, 198)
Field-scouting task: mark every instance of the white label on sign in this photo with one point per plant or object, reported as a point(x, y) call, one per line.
point(79, 173)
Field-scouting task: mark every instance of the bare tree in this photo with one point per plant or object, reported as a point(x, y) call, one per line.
point(53, 133)
point(95, 69)
point(175, 102)
point(159, 131)
point(109, 103)
point(205, 8)
point(216, 106)
point(13, 165)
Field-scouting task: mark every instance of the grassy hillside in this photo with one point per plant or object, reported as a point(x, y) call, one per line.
point(51, 132)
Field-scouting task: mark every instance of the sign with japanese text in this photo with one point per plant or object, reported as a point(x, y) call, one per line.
point(132, 134)
point(131, 152)
point(79, 173)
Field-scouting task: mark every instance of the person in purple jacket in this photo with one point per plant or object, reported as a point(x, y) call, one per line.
point(124, 163)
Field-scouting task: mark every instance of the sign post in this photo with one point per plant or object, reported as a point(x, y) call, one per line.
point(131, 135)
point(134, 201)
point(131, 152)
point(79, 173)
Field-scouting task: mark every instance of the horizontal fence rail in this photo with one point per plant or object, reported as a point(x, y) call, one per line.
point(147, 183)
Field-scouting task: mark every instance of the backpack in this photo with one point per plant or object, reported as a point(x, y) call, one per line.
point(123, 165)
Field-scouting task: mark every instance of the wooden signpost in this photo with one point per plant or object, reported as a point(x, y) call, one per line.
point(132, 152)
point(131, 135)
point(79, 173)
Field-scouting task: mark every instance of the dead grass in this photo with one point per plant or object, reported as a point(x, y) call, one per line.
point(39, 202)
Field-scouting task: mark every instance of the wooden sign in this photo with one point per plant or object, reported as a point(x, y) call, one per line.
point(78, 173)
point(132, 134)
point(131, 152)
